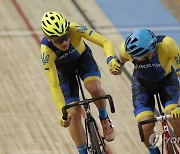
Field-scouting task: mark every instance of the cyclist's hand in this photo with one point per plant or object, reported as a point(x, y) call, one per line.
point(120, 70)
point(65, 123)
point(113, 65)
point(176, 112)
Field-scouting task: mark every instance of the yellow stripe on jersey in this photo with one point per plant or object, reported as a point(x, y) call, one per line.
point(91, 78)
point(170, 107)
point(143, 114)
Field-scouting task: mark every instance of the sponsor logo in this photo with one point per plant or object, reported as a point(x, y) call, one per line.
point(147, 66)
point(66, 54)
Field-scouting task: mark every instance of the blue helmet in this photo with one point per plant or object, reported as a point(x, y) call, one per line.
point(140, 43)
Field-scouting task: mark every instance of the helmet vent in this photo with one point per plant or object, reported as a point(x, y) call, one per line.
point(52, 18)
point(128, 40)
point(152, 34)
point(134, 40)
point(44, 23)
point(66, 24)
point(57, 31)
point(48, 22)
point(152, 44)
point(48, 31)
point(62, 28)
point(132, 47)
point(58, 17)
point(137, 51)
point(57, 24)
point(61, 15)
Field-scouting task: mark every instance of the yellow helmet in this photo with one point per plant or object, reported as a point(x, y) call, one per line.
point(54, 24)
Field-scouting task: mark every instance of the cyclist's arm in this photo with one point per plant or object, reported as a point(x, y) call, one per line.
point(100, 40)
point(174, 53)
point(48, 57)
point(123, 56)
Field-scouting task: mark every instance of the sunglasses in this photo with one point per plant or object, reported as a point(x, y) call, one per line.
point(144, 56)
point(61, 39)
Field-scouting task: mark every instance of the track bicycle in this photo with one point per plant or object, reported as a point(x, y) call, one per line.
point(95, 142)
point(165, 139)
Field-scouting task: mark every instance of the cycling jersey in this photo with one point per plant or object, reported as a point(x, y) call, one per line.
point(54, 59)
point(167, 55)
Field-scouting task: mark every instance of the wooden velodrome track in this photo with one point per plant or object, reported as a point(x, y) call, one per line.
point(28, 116)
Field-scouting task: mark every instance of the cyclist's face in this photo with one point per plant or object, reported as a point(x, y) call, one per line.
point(149, 56)
point(62, 42)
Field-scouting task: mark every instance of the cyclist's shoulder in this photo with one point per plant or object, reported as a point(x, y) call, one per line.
point(46, 46)
point(122, 47)
point(123, 51)
point(76, 27)
point(73, 24)
point(44, 41)
point(160, 38)
point(164, 39)
point(166, 43)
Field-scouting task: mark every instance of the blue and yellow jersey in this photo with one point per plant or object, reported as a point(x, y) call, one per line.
point(167, 56)
point(53, 58)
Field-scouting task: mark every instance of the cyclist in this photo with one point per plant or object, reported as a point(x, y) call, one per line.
point(63, 51)
point(156, 62)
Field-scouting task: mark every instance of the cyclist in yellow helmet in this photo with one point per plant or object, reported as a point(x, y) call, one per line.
point(63, 51)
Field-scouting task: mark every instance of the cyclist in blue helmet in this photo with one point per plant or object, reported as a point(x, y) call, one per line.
point(140, 43)
point(156, 62)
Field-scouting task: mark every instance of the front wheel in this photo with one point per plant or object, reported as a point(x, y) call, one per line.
point(95, 139)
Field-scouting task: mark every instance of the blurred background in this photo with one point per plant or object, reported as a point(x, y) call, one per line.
point(160, 16)
point(28, 116)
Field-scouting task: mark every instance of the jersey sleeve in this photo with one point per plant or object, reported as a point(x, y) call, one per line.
point(123, 52)
point(48, 57)
point(92, 36)
point(174, 53)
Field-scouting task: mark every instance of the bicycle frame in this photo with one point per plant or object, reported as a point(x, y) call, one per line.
point(90, 122)
point(170, 148)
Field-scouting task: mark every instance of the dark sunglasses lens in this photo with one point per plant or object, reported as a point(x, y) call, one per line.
point(61, 39)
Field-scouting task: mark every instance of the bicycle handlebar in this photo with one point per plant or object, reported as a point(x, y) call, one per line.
point(87, 101)
point(155, 119)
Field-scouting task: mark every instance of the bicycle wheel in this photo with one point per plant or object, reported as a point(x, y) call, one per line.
point(94, 138)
